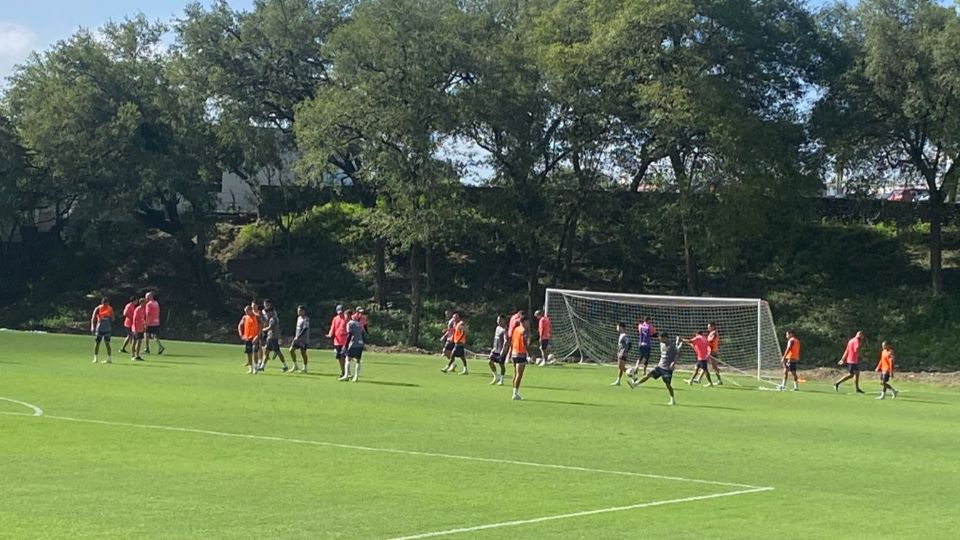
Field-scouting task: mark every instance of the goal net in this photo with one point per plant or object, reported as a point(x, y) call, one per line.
point(585, 327)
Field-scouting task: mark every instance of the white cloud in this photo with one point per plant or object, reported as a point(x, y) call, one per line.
point(16, 42)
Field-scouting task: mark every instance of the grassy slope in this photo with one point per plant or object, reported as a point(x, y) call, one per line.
point(842, 465)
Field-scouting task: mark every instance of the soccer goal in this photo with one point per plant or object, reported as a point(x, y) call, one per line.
point(584, 326)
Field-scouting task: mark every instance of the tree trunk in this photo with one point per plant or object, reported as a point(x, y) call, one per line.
point(936, 246)
point(427, 268)
point(380, 273)
point(416, 295)
point(690, 262)
point(533, 275)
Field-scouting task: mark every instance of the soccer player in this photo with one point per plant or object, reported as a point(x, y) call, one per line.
point(791, 357)
point(518, 348)
point(713, 343)
point(885, 368)
point(646, 332)
point(459, 341)
point(273, 339)
point(354, 346)
point(249, 330)
point(153, 322)
point(545, 331)
point(498, 352)
point(139, 326)
point(701, 348)
point(623, 350)
point(338, 333)
point(301, 339)
point(101, 327)
point(128, 322)
point(362, 317)
point(851, 359)
point(664, 368)
point(447, 334)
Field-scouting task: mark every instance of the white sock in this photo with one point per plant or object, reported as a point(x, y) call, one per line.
point(356, 371)
point(346, 368)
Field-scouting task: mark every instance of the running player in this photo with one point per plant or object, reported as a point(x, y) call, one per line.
point(128, 322)
point(498, 352)
point(885, 368)
point(646, 332)
point(139, 326)
point(338, 333)
point(518, 348)
point(623, 351)
point(153, 322)
point(249, 330)
point(101, 325)
point(354, 345)
point(273, 339)
point(301, 339)
point(851, 359)
point(664, 368)
point(545, 331)
point(791, 357)
point(701, 348)
point(459, 341)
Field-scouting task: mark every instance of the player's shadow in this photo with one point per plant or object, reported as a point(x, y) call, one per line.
point(165, 361)
point(179, 355)
point(711, 407)
point(392, 383)
point(551, 388)
point(140, 365)
point(555, 402)
point(913, 400)
point(11, 363)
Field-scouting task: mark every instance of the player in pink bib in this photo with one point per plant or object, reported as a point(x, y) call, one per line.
point(701, 348)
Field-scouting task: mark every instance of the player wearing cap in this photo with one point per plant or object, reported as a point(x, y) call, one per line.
point(338, 333)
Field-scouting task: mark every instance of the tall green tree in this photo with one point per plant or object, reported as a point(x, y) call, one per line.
point(392, 98)
point(893, 101)
point(15, 198)
point(706, 94)
point(115, 139)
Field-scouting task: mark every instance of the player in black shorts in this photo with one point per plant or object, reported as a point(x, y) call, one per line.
point(665, 367)
point(498, 352)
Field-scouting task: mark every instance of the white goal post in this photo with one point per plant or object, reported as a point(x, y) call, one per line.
point(584, 326)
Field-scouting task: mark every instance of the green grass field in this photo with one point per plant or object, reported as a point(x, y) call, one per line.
point(189, 445)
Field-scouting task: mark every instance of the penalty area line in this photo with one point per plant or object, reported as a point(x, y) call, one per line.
point(395, 451)
point(514, 523)
point(37, 411)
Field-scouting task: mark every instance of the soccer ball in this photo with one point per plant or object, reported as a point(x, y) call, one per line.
point(551, 359)
point(631, 372)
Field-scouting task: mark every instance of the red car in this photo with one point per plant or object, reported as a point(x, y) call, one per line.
point(909, 195)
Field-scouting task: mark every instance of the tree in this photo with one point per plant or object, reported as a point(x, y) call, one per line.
point(893, 99)
point(116, 141)
point(15, 199)
point(398, 68)
point(705, 94)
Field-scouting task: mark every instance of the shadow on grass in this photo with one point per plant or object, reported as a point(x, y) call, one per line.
point(139, 364)
point(577, 403)
point(174, 355)
point(718, 407)
point(391, 383)
point(165, 361)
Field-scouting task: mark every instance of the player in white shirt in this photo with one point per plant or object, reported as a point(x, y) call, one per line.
point(301, 339)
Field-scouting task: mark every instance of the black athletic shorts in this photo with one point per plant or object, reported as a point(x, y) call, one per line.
point(299, 344)
point(645, 353)
point(355, 352)
point(138, 336)
point(103, 336)
point(702, 364)
point(273, 345)
point(248, 347)
point(853, 369)
point(544, 344)
point(459, 351)
point(520, 359)
point(660, 373)
point(130, 332)
point(792, 365)
point(449, 346)
point(153, 331)
point(885, 376)
point(495, 357)
point(338, 351)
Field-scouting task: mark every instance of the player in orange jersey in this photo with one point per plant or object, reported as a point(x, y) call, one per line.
point(249, 332)
point(519, 340)
point(789, 361)
point(458, 338)
point(885, 368)
point(101, 326)
point(851, 360)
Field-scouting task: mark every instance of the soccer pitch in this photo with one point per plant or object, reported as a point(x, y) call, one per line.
point(189, 445)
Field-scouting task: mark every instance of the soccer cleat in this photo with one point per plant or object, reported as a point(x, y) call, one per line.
point(250, 370)
point(894, 393)
point(304, 370)
point(108, 361)
point(516, 397)
point(710, 385)
point(137, 359)
point(795, 389)
point(444, 370)
point(284, 369)
point(500, 381)
point(780, 388)
point(124, 351)
point(671, 402)
point(615, 383)
point(344, 377)
point(464, 372)
point(859, 391)
point(494, 381)
point(147, 350)
point(631, 383)
point(882, 396)
point(836, 387)
point(162, 348)
point(719, 383)
point(95, 360)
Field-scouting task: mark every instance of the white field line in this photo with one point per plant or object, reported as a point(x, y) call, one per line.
point(37, 411)
point(542, 519)
point(400, 452)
